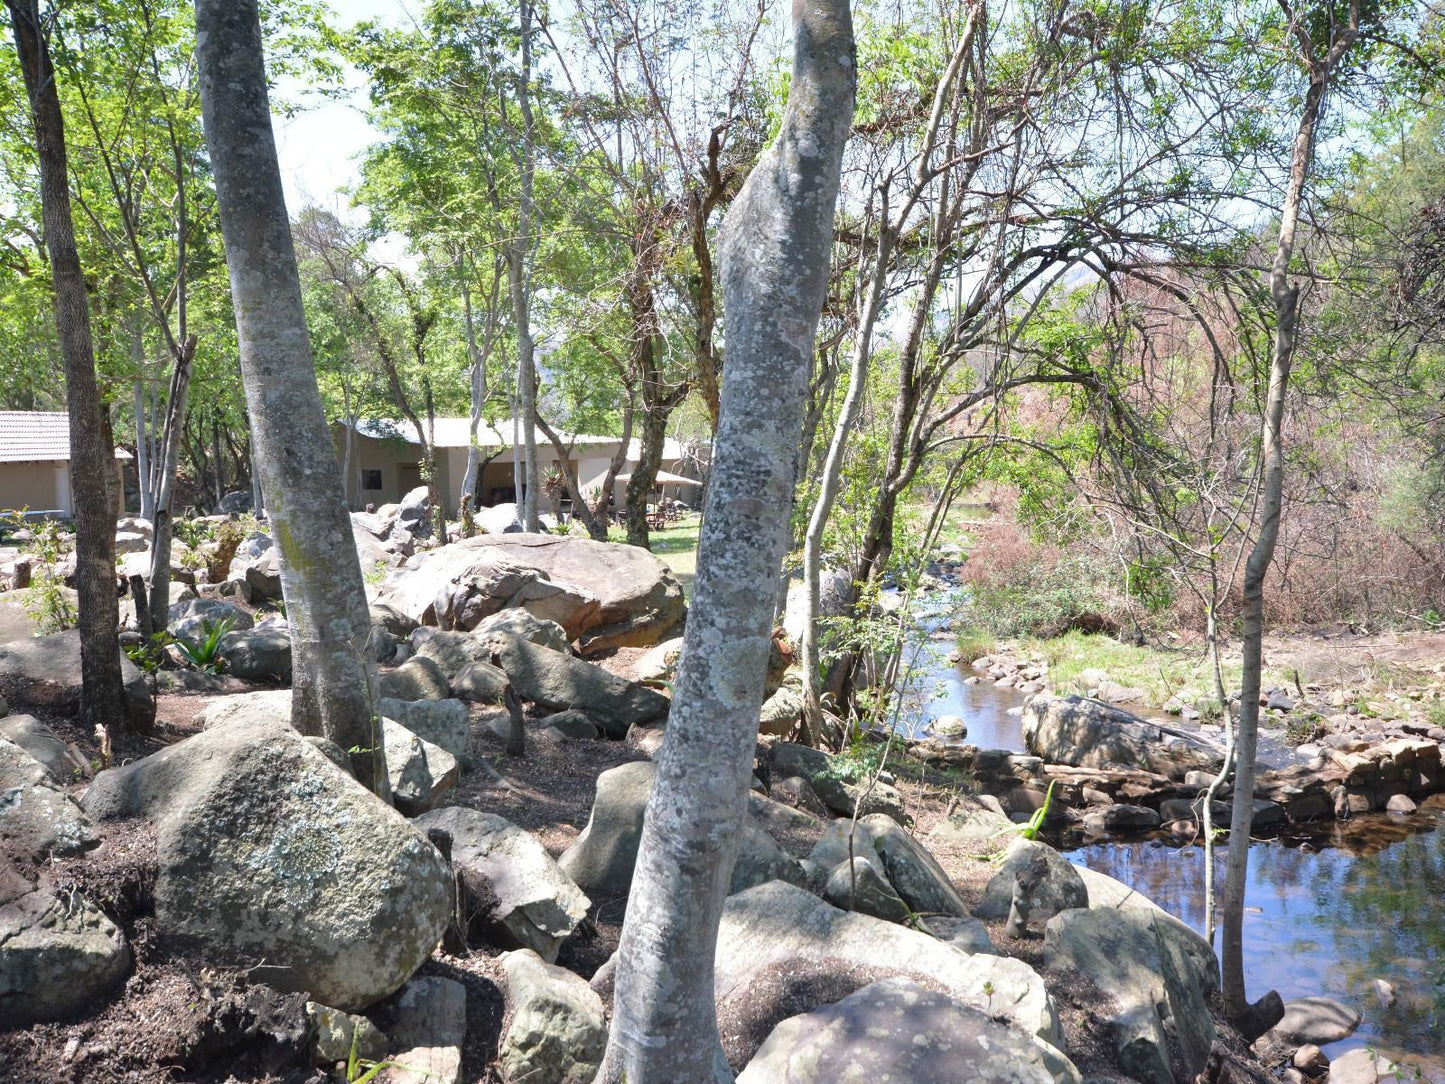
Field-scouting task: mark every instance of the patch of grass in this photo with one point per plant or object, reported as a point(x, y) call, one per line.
point(675, 545)
point(974, 645)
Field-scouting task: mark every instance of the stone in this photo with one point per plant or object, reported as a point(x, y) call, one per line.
point(1059, 889)
point(236, 501)
point(1122, 817)
point(857, 885)
point(1318, 1020)
point(760, 859)
point(258, 654)
point(1366, 1066)
point(480, 683)
point(646, 738)
point(1086, 733)
point(600, 861)
point(130, 542)
point(790, 759)
point(1156, 993)
point(573, 724)
point(299, 865)
point(441, 722)
point(194, 618)
point(58, 952)
point(967, 934)
point(391, 619)
point(37, 817)
point(913, 873)
point(780, 929)
point(518, 896)
point(415, 679)
point(451, 651)
point(779, 819)
point(44, 671)
point(897, 1030)
point(338, 1033)
point(1311, 1059)
point(556, 1031)
point(427, 1023)
point(798, 792)
point(518, 622)
point(43, 744)
point(948, 726)
point(454, 586)
point(413, 513)
point(660, 662)
point(263, 575)
point(557, 681)
point(975, 829)
point(782, 711)
point(1106, 892)
point(1401, 803)
point(419, 772)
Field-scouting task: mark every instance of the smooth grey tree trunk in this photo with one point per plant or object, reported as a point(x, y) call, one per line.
point(333, 676)
point(162, 525)
point(1285, 296)
point(92, 458)
point(519, 264)
point(776, 249)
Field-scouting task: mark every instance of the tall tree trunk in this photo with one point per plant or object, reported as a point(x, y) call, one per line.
point(162, 526)
point(218, 465)
point(333, 677)
point(776, 247)
point(522, 287)
point(644, 472)
point(92, 457)
point(1285, 296)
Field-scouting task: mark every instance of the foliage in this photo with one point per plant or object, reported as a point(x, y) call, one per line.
point(204, 653)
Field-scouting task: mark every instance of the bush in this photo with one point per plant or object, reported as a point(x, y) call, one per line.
point(1018, 587)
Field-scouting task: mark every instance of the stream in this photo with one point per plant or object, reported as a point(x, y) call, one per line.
point(1327, 913)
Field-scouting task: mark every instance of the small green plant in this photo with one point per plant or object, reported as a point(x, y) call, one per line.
point(149, 655)
point(45, 600)
point(205, 653)
point(193, 532)
point(1031, 828)
point(973, 645)
point(1303, 728)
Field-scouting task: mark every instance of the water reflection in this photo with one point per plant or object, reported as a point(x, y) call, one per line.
point(1369, 905)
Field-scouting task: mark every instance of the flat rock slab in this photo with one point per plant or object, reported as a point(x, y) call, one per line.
point(49, 671)
point(1087, 733)
point(897, 1030)
point(1317, 1020)
point(525, 899)
point(37, 817)
point(557, 681)
point(556, 1032)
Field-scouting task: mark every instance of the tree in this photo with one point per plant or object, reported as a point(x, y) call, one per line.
point(776, 250)
point(333, 676)
point(92, 452)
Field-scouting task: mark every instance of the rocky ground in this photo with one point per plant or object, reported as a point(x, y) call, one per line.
point(225, 902)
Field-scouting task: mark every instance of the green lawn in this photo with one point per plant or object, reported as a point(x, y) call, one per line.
point(675, 545)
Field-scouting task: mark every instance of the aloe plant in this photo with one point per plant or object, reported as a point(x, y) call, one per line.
point(205, 653)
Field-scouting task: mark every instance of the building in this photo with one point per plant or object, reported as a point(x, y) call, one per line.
point(381, 460)
point(35, 463)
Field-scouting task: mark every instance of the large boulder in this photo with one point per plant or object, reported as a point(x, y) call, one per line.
point(427, 1025)
point(37, 817)
point(518, 895)
point(1317, 1020)
point(45, 672)
point(556, 1032)
point(823, 774)
point(413, 515)
point(606, 594)
point(193, 618)
point(1058, 888)
point(975, 829)
point(780, 930)
point(1158, 996)
point(58, 952)
point(415, 679)
point(897, 1030)
point(43, 744)
point(856, 885)
point(557, 681)
point(451, 651)
point(914, 873)
point(297, 864)
point(480, 683)
point(258, 654)
point(526, 626)
point(1086, 733)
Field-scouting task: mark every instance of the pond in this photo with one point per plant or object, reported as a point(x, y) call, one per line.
point(1369, 904)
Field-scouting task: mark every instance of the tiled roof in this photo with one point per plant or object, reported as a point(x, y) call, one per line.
point(37, 436)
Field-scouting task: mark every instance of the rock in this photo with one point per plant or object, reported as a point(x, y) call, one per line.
point(948, 726)
point(392, 620)
point(913, 873)
point(897, 1030)
point(781, 712)
point(1059, 889)
point(660, 662)
point(441, 722)
point(419, 772)
point(557, 681)
point(1088, 734)
point(454, 586)
point(415, 679)
point(798, 792)
point(1115, 693)
point(427, 1023)
point(45, 671)
point(1311, 1059)
point(778, 929)
point(37, 817)
point(857, 885)
point(480, 683)
point(519, 895)
point(517, 622)
point(258, 654)
point(600, 861)
point(646, 738)
point(130, 542)
point(337, 1033)
point(779, 819)
point(451, 651)
point(236, 501)
point(975, 829)
point(818, 769)
point(1365, 1066)
point(760, 859)
point(194, 618)
point(573, 724)
point(297, 862)
point(43, 744)
point(262, 575)
point(1105, 892)
point(967, 934)
point(1385, 991)
point(1401, 803)
point(58, 952)
point(1122, 817)
point(1153, 984)
point(413, 513)
point(556, 1032)
point(500, 519)
point(1317, 1020)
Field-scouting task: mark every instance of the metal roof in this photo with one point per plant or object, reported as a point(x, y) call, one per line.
point(456, 433)
point(37, 436)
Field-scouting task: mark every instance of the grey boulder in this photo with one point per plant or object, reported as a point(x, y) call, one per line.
point(427, 1024)
point(1317, 1020)
point(838, 794)
point(46, 670)
point(1059, 889)
point(914, 874)
point(556, 1032)
point(1087, 733)
point(856, 885)
point(415, 679)
point(419, 772)
point(38, 818)
point(519, 896)
point(518, 622)
point(43, 744)
point(192, 619)
point(600, 861)
point(258, 654)
point(441, 722)
point(480, 683)
point(557, 681)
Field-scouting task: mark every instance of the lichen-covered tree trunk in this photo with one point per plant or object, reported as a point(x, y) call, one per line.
point(333, 677)
point(776, 246)
point(92, 458)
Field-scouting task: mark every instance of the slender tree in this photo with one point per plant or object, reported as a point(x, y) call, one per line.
point(334, 678)
point(776, 249)
point(92, 457)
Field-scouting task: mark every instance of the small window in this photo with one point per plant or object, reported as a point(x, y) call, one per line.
point(371, 479)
